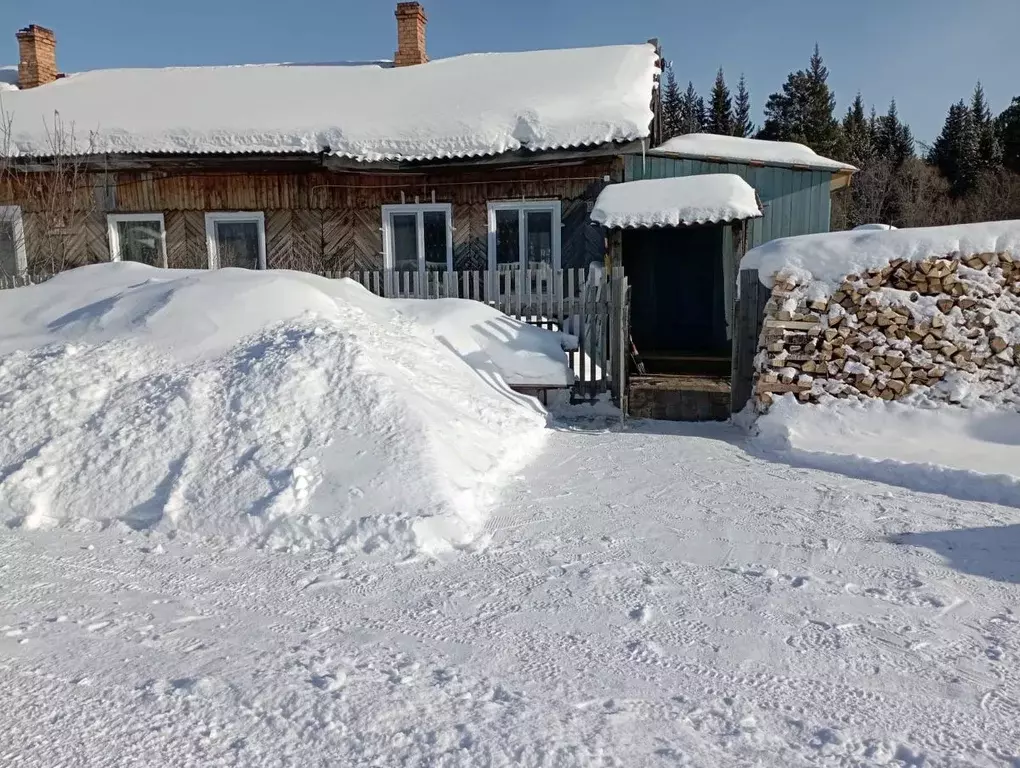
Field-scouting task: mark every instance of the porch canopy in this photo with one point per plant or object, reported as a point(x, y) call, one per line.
point(676, 202)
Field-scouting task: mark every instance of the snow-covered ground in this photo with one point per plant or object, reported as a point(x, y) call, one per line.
point(273, 409)
point(655, 597)
point(666, 595)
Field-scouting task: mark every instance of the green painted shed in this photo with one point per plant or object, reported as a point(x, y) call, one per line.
point(683, 275)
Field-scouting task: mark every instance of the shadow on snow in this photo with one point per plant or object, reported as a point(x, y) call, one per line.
point(992, 552)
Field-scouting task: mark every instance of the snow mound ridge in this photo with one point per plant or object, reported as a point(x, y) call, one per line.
point(971, 454)
point(278, 410)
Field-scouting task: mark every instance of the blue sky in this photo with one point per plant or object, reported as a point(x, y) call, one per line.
point(926, 53)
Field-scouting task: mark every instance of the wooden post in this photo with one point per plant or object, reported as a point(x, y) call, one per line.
point(750, 316)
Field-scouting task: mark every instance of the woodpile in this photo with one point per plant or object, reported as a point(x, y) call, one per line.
point(892, 330)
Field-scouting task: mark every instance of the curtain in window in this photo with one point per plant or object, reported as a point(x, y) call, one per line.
point(237, 244)
point(141, 241)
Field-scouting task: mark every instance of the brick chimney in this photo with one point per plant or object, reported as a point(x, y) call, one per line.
point(37, 47)
point(411, 22)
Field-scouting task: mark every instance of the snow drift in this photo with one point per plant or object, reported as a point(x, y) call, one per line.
point(968, 453)
point(279, 409)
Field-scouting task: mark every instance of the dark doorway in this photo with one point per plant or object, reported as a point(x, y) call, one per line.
point(677, 304)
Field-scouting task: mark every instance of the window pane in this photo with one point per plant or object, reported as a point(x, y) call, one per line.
point(405, 241)
point(8, 251)
point(508, 244)
point(141, 241)
point(238, 243)
point(435, 240)
point(539, 238)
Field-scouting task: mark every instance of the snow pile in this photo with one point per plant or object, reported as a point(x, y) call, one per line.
point(678, 201)
point(732, 149)
point(466, 106)
point(972, 454)
point(825, 260)
point(277, 409)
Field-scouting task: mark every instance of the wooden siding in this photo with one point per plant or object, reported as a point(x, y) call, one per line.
point(320, 220)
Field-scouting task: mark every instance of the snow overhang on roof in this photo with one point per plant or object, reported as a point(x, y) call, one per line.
point(675, 202)
point(467, 106)
point(731, 149)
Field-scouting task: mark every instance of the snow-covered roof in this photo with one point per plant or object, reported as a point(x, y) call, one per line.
point(9, 78)
point(731, 149)
point(466, 106)
point(675, 202)
point(827, 259)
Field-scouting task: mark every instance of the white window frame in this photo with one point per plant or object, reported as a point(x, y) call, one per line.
point(13, 214)
point(211, 219)
point(523, 207)
point(113, 234)
point(419, 209)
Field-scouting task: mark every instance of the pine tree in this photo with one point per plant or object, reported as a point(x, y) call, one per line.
point(720, 110)
point(989, 151)
point(893, 140)
point(803, 110)
point(956, 150)
point(742, 125)
point(1008, 128)
point(858, 146)
point(672, 106)
point(692, 111)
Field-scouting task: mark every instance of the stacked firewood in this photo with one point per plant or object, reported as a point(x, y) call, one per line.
point(889, 331)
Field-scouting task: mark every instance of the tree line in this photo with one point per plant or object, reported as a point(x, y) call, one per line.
point(971, 172)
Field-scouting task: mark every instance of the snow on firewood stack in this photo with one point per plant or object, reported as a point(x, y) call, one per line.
point(892, 315)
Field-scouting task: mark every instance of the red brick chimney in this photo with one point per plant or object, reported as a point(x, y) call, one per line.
point(411, 23)
point(37, 47)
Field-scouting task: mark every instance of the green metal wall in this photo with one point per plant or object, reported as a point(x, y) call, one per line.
point(795, 202)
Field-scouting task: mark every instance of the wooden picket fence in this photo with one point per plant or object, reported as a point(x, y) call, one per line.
point(585, 303)
point(588, 304)
point(23, 280)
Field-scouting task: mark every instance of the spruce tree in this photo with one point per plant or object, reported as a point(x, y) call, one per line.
point(692, 111)
point(893, 140)
point(803, 110)
point(858, 148)
point(822, 129)
point(672, 106)
point(1008, 125)
point(956, 150)
point(989, 151)
point(742, 125)
point(720, 110)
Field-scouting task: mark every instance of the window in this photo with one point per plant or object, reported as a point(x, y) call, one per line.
point(13, 256)
point(524, 235)
point(418, 238)
point(137, 237)
point(236, 239)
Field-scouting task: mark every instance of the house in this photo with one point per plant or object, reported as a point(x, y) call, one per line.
point(472, 162)
point(411, 168)
point(680, 222)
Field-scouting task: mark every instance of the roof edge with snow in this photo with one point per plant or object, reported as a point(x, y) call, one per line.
point(464, 107)
point(733, 149)
point(676, 202)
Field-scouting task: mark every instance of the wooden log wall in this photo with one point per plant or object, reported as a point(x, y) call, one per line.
point(316, 220)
